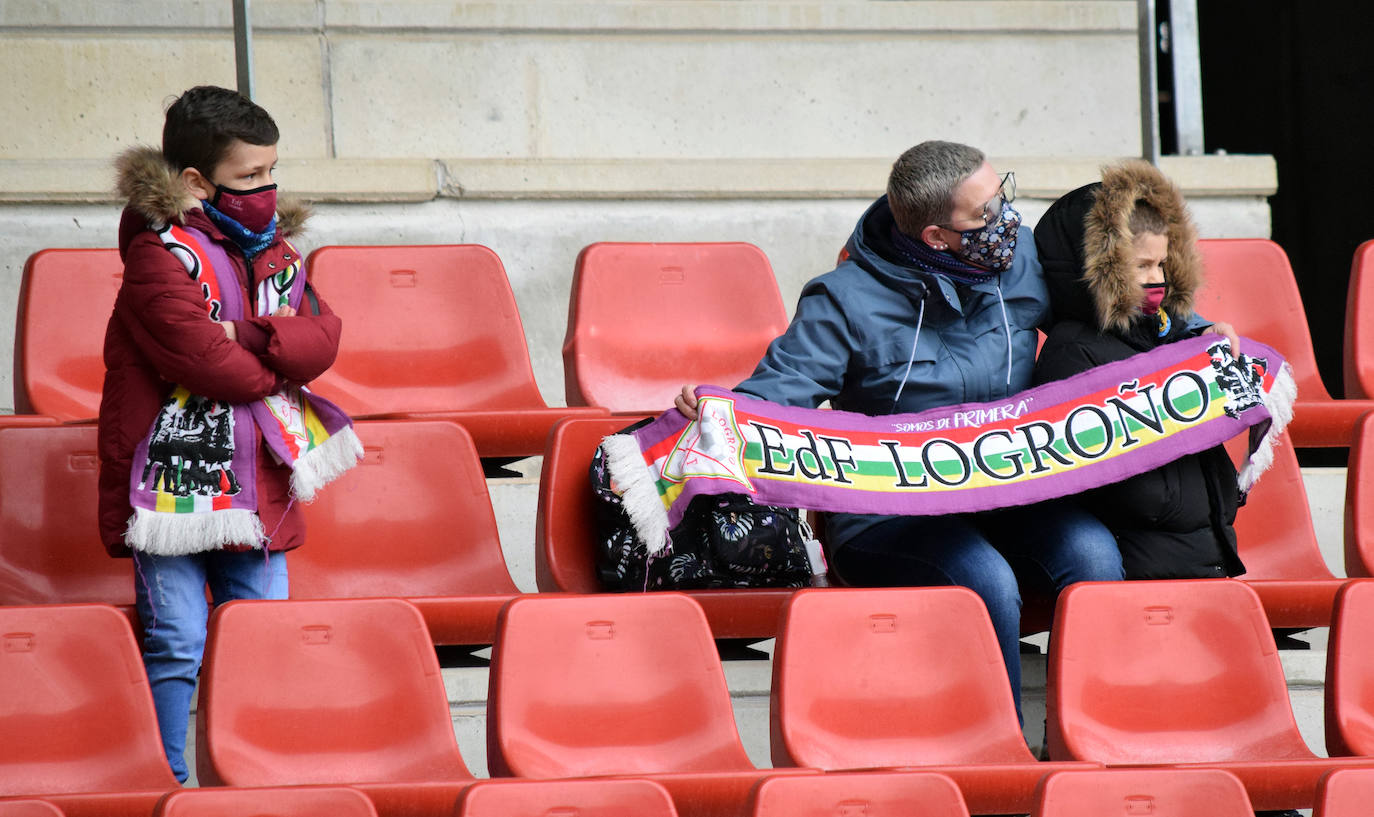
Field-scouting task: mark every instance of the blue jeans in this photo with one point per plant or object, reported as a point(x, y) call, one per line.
point(1047, 547)
point(171, 602)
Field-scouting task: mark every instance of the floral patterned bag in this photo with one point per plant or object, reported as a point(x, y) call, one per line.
point(722, 541)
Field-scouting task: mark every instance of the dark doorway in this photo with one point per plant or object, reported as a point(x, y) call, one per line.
point(1296, 80)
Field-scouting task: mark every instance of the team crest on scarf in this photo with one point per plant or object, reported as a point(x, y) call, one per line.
point(1097, 427)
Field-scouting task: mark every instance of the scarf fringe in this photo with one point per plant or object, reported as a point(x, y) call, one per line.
point(639, 490)
point(179, 534)
point(322, 465)
point(1279, 401)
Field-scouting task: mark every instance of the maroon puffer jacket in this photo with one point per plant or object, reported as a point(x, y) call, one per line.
point(160, 335)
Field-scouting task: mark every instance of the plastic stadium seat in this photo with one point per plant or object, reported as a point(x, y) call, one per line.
point(59, 339)
point(413, 520)
point(869, 794)
point(1359, 325)
point(565, 536)
point(1178, 673)
point(340, 692)
point(29, 808)
point(1349, 687)
point(637, 690)
point(289, 801)
point(434, 329)
point(1251, 285)
point(1345, 793)
point(50, 550)
point(76, 713)
point(1163, 792)
point(644, 319)
point(565, 798)
point(1359, 503)
point(1278, 544)
point(909, 677)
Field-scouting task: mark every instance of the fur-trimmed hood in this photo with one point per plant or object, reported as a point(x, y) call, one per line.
point(153, 189)
point(1086, 247)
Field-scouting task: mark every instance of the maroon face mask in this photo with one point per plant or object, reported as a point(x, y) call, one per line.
point(1154, 296)
point(253, 209)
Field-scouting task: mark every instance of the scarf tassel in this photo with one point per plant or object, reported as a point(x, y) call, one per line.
point(325, 463)
point(1279, 400)
point(640, 490)
point(179, 534)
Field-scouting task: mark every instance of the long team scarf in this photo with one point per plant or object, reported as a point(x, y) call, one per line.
point(1097, 427)
point(193, 485)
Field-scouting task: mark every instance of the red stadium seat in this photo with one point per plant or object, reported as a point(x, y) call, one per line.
point(413, 520)
point(1345, 793)
point(29, 808)
point(565, 798)
point(1178, 673)
point(338, 692)
point(565, 536)
point(58, 338)
point(1359, 504)
point(1250, 284)
point(76, 713)
point(644, 319)
point(1163, 792)
point(1359, 325)
point(434, 330)
point(910, 677)
point(50, 550)
point(1349, 687)
point(638, 691)
point(1278, 545)
point(284, 801)
point(867, 794)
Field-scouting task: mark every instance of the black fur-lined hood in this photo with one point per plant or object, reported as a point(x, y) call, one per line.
point(1086, 247)
point(153, 189)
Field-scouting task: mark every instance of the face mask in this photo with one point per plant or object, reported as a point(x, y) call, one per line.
point(993, 245)
point(253, 209)
point(1154, 296)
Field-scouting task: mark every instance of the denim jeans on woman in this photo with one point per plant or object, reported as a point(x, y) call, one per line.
point(1043, 548)
point(171, 604)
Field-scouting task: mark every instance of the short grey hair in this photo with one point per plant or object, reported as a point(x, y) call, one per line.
point(920, 189)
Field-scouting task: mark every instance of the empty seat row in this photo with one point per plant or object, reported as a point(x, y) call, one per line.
point(1170, 673)
point(415, 521)
point(435, 330)
point(1172, 792)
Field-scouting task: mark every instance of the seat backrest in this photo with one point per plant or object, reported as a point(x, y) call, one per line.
point(870, 794)
point(1167, 672)
point(565, 798)
point(413, 519)
point(1359, 502)
point(909, 677)
point(50, 548)
point(322, 692)
point(428, 328)
point(638, 688)
point(1274, 530)
point(28, 808)
point(1349, 687)
point(1162, 792)
point(1250, 284)
point(565, 519)
point(75, 709)
point(284, 801)
point(1345, 793)
point(65, 301)
point(1359, 325)
point(644, 318)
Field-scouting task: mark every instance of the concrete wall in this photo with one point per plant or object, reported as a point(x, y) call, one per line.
point(538, 126)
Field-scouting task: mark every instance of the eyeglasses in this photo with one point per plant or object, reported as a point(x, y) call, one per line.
point(1006, 194)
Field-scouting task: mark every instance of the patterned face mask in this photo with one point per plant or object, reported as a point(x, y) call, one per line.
point(991, 246)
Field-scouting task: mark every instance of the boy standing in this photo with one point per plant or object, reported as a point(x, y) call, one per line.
point(207, 438)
